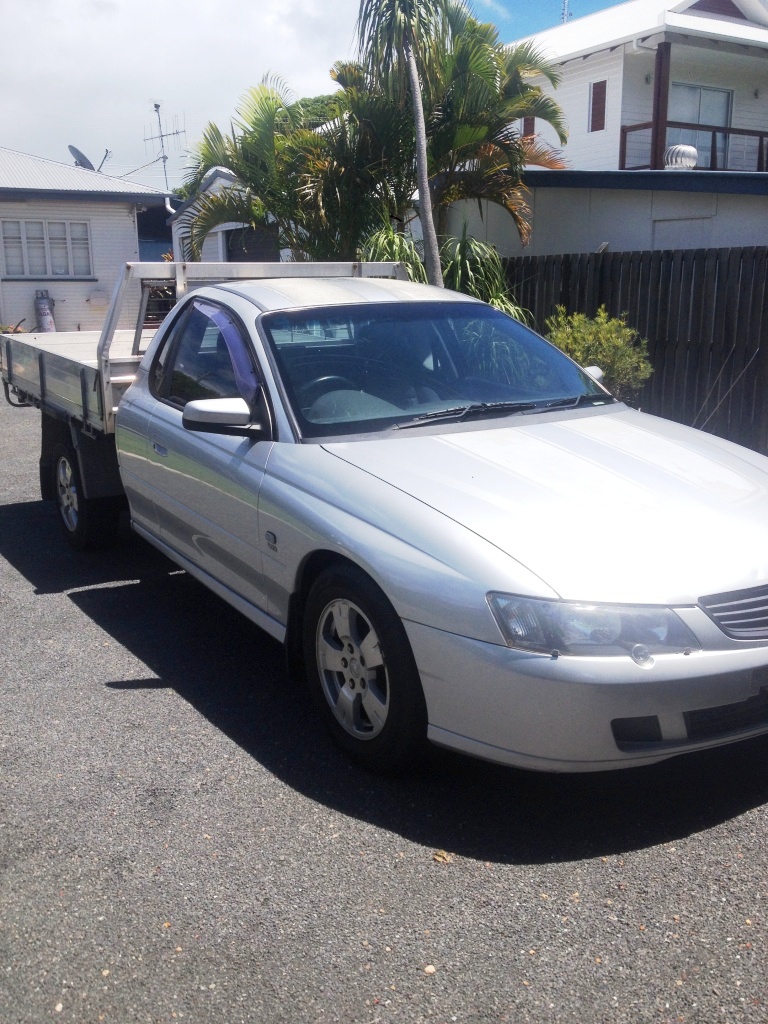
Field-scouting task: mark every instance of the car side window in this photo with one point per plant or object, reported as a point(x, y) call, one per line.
point(206, 356)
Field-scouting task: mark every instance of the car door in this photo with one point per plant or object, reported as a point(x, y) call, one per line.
point(206, 485)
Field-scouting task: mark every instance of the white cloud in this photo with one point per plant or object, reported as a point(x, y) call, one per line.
point(87, 72)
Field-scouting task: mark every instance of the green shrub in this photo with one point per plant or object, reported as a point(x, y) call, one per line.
point(475, 268)
point(469, 266)
point(388, 244)
point(607, 342)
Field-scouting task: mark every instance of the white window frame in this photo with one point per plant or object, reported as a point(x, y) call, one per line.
point(25, 239)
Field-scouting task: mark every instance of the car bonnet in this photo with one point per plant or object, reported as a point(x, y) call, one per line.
point(603, 506)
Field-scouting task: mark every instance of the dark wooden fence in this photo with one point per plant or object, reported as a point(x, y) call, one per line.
point(703, 312)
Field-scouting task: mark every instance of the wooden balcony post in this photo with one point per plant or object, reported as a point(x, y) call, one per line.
point(660, 105)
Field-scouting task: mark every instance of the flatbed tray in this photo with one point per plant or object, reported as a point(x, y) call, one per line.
point(59, 372)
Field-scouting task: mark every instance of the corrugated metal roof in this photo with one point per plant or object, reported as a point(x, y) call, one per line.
point(24, 173)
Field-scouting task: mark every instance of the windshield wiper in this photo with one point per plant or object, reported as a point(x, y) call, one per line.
point(463, 412)
point(576, 400)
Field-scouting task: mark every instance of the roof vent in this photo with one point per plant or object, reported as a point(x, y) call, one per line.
point(680, 158)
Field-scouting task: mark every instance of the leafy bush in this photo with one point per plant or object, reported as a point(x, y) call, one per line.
point(387, 244)
point(469, 266)
point(475, 268)
point(607, 342)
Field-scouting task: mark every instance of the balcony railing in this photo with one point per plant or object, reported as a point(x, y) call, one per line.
point(724, 149)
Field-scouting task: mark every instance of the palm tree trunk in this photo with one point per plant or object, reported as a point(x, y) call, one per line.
point(431, 250)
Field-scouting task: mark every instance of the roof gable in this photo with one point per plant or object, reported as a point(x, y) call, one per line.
point(721, 8)
point(753, 11)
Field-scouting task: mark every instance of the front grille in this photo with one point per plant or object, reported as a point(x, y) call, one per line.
point(742, 614)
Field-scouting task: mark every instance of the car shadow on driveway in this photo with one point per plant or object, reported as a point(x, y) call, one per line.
point(234, 675)
point(32, 541)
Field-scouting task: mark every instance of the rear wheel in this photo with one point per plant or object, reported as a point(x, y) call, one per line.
point(86, 522)
point(362, 673)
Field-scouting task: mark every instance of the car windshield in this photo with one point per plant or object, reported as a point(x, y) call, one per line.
point(362, 368)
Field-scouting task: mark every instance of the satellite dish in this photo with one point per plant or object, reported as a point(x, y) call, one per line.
point(81, 160)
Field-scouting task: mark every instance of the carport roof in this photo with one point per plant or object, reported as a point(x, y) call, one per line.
point(22, 174)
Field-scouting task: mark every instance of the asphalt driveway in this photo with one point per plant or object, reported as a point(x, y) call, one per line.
point(179, 841)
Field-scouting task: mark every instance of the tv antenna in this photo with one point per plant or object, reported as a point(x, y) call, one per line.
point(566, 12)
point(162, 135)
point(81, 160)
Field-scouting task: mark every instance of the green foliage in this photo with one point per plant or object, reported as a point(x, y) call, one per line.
point(607, 342)
point(324, 189)
point(468, 265)
point(475, 268)
point(477, 93)
point(388, 244)
point(319, 110)
point(325, 172)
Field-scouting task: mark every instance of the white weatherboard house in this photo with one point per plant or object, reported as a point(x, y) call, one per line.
point(635, 80)
point(67, 231)
point(645, 75)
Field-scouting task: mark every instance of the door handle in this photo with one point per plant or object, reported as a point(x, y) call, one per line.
point(160, 449)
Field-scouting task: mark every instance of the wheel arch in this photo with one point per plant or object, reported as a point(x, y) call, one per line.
point(96, 458)
point(54, 432)
point(316, 563)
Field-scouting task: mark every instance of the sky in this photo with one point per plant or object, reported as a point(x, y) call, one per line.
point(89, 73)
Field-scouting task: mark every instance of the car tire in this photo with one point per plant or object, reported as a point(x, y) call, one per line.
point(361, 672)
point(86, 522)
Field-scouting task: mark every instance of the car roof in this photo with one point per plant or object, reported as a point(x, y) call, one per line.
point(282, 293)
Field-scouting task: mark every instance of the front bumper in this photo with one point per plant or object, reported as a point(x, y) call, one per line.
point(586, 714)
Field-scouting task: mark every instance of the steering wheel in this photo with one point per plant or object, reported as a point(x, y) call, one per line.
point(309, 393)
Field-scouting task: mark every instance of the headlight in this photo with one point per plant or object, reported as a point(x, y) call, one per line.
point(573, 628)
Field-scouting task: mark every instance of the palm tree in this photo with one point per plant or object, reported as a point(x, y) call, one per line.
point(395, 37)
point(255, 152)
point(478, 92)
point(325, 187)
point(355, 170)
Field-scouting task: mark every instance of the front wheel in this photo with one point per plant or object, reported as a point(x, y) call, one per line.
point(86, 522)
point(362, 673)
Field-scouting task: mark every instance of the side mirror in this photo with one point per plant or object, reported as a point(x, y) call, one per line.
point(221, 416)
point(594, 372)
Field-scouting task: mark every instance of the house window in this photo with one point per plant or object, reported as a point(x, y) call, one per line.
point(529, 126)
point(46, 248)
point(697, 104)
point(597, 92)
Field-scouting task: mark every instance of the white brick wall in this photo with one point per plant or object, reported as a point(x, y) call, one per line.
point(114, 242)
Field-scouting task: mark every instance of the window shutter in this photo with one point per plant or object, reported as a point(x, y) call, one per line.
point(597, 106)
